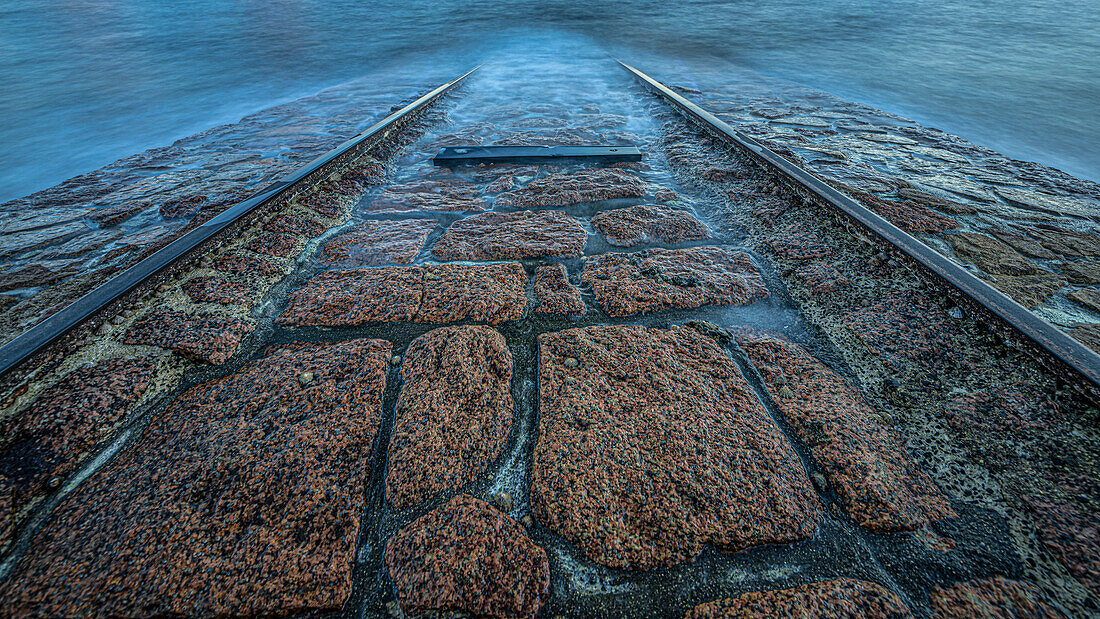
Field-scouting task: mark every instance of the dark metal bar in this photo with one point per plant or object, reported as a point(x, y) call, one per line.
point(467, 155)
point(38, 337)
point(1061, 347)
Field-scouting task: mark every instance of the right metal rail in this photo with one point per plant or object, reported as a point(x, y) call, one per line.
point(1052, 343)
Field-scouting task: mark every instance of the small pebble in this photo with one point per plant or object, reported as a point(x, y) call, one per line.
point(163, 288)
point(570, 362)
point(395, 360)
point(955, 312)
point(55, 482)
point(819, 482)
point(305, 378)
point(527, 521)
point(503, 501)
point(785, 392)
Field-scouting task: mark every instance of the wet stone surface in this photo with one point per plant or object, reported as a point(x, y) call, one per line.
point(796, 242)
point(275, 244)
point(453, 415)
point(990, 597)
point(377, 242)
point(837, 598)
point(651, 444)
point(881, 487)
point(448, 195)
point(217, 290)
point(511, 236)
point(491, 293)
point(637, 225)
point(203, 338)
point(555, 294)
point(565, 189)
point(469, 558)
point(53, 435)
point(658, 279)
point(259, 480)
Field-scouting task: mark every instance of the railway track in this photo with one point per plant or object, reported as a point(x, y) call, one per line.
point(626, 389)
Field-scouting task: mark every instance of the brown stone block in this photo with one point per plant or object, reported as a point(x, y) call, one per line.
point(660, 279)
point(352, 297)
point(990, 598)
point(203, 338)
point(565, 189)
point(510, 236)
point(453, 415)
point(880, 486)
point(217, 290)
point(554, 293)
point(242, 498)
point(822, 600)
point(651, 444)
point(635, 225)
point(450, 195)
point(377, 242)
point(491, 293)
point(44, 443)
point(469, 558)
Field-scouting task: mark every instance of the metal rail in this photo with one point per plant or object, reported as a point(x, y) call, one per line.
point(1066, 351)
point(49, 331)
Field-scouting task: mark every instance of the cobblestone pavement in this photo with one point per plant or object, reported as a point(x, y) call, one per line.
point(667, 388)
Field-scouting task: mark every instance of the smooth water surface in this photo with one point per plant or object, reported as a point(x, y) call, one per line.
point(90, 81)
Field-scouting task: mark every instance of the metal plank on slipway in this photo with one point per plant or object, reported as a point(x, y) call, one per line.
point(468, 155)
point(1048, 341)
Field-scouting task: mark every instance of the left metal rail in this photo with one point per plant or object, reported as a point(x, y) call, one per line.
point(48, 332)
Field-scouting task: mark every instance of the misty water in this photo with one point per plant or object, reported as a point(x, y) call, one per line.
point(89, 81)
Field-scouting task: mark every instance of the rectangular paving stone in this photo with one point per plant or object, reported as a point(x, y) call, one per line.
point(453, 415)
point(881, 487)
point(565, 189)
point(217, 290)
point(509, 236)
point(48, 439)
point(348, 298)
point(467, 557)
point(377, 242)
point(554, 293)
point(797, 242)
point(844, 597)
point(203, 338)
point(491, 293)
point(660, 279)
point(636, 225)
point(447, 195)
point(243, 498)
point(652, 444)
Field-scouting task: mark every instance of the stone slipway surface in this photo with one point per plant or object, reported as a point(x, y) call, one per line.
point(837, 598)
point(453, 415)
point(881, 487)
point(243, 497)
point(652, 445)
point(554, 293)
point(637, 225)
point(377, 242)
point(492, 293)
point(659, 279)
point(469, 558)
point(512, 236)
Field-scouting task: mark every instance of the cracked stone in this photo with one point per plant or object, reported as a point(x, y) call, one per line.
point(504, 236)
point(659, 279)
point(261, 482)
point(658, 446)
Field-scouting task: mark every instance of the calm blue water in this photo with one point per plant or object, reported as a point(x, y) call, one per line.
point(88, 81)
